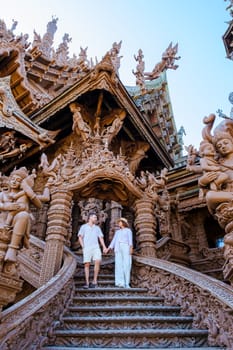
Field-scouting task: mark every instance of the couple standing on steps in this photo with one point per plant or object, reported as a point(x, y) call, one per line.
point(90, 235)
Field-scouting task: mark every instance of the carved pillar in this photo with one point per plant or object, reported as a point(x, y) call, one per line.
point(116, 210)
point(59, 218)
point(145, 225)
point(42, 222)
point(201, 234)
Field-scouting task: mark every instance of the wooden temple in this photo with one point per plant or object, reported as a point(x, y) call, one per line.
point(85, 142)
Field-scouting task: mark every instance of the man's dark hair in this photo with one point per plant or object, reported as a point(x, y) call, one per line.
point(90, 214)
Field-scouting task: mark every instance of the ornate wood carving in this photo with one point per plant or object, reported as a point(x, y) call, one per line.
point(59, 218)
point(19, 134)
point(167, 62)
point(29, 322)
point(210, 302)
point(216, 165)
point(145, 225)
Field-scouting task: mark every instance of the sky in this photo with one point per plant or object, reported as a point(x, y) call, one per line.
point(203, 81)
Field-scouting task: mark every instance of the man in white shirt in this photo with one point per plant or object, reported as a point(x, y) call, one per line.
point(90, 235)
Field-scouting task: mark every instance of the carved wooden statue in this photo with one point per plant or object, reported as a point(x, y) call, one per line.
point(139, 73)
point(15, 216)
point(216, 164)
point(168, 61)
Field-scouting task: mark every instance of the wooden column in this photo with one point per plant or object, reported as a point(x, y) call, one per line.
point(145, 224)
point(115, 214)
point(59, 218)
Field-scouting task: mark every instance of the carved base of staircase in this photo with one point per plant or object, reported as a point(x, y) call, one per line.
point(9, 287)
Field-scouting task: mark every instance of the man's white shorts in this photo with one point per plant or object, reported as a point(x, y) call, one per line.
point(91, 254)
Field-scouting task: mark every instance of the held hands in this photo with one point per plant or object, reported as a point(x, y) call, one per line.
point(105, 250)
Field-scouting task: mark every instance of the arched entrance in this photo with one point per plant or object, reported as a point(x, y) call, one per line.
point(109, 197)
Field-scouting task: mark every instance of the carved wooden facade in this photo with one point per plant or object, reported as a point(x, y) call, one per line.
point(78, 119)
point(97, 146)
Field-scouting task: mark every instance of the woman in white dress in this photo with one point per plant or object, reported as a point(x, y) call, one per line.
point(122, 244)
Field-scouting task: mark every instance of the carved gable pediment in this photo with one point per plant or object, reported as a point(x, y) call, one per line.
point(18, 132)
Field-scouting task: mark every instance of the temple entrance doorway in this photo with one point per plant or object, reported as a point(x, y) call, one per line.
point(109, 200)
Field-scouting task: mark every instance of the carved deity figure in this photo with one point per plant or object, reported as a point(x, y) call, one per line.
point(82, 61)
point(111, 131)
point(95, 206)
point(217, 180)
point(139, 74)
point(80, 127)
point(221, 171)
point(163, 212)
point(134, 152)
point(45, 43)
point(10, 147)
point(154, 184)
point(151, 184)
point(100, 127)
point(168, 61)
point(114, 53)
point(14, 209)
point(62, 53)
point(209, 163)
point(53, 170)
point(180, 135)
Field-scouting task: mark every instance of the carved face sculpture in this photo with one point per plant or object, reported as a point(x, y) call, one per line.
point(209, 150)
point(224, 146)
point(15, 181)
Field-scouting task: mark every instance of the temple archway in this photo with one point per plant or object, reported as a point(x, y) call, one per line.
point(109, 194)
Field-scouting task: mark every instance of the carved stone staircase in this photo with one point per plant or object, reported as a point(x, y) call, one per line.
point(109, 317)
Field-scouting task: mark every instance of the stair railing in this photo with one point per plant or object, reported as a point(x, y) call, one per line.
point(210, 301)
point(26, 324)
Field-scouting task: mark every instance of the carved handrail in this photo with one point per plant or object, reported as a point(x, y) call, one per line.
point(210, 301)
point(173, 250)
point(30, 261)
point(27, 323)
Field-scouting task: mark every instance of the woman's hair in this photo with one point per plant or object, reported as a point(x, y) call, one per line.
point(124, 222)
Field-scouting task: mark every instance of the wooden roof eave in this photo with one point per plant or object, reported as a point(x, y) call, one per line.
point(104, 81)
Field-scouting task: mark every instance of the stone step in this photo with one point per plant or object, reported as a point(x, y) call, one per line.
point(143, 339)
point(123, 310)
point(109, 318)
point(116, 300)
point(110, 290)
point(52, 347)
point(101, 277)
point(106, 282)
point(127, 322)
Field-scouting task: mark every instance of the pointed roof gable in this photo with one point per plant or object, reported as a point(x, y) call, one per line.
point(104, 78)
